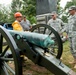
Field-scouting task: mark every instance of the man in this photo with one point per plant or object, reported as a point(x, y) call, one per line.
point(71, 28)
point(55, 22)
point(26, 24)
point(16, 25)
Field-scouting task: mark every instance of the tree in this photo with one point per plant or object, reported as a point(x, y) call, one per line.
point(70, 3)
point(59, 9)
point(26, 7)
point(16, 6)
point(61, 12)
point(29, 9)
point(3, 14)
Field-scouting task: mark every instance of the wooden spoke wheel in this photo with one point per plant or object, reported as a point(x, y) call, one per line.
point(55, 49)
point(10, 62)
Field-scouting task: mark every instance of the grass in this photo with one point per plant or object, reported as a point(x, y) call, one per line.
point(67, 56)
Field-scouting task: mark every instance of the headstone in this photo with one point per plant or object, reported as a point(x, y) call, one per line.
point(45, 6)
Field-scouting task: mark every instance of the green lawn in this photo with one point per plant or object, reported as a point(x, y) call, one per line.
point(67, 56)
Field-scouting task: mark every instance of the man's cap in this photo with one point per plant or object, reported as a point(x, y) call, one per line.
point(17, 14)
point(53, 13)
point(72, 8)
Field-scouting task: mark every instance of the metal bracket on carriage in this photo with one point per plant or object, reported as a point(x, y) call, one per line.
point(46, 52)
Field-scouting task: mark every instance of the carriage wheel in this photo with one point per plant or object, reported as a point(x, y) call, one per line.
point(10, 62)
point(55, 49)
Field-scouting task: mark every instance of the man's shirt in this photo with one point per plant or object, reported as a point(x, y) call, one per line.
point(25, 24)
point(56, 24)
point(16, 26)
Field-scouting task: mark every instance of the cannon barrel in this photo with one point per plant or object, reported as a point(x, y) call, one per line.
point(41, 40)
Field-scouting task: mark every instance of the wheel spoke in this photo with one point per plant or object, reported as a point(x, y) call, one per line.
point(38, 30)
point(4, 51)
point(50, 33)
point(7, 59)
point(9, 68)
point(5, 70)
point(44, 30)
point(1, 42)
point(4, 43)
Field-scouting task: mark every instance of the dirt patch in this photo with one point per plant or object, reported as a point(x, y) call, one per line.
point(29, 68)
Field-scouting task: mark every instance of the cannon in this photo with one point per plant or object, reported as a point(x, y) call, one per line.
point(35, 45)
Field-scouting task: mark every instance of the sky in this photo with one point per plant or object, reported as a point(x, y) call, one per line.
point(6, 2)
point(63, 3)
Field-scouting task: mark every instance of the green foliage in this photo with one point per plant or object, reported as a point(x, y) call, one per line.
point(11, 18)
point(58, 6)
point(29, 9)
point(64, 18)
point(70, 3)
point(32, 19)
point(3, 14)
point(64, 12)
point(16, 6)
point(61, 11)
point(26, 7)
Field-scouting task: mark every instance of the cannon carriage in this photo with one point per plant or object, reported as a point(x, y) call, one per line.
point(41, 53)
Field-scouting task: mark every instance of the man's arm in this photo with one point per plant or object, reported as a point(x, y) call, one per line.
point(48, 23)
